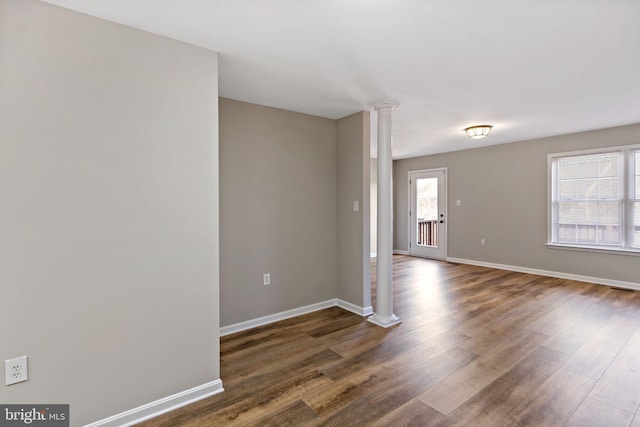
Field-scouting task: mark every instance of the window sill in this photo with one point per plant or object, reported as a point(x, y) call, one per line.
point(597, 249)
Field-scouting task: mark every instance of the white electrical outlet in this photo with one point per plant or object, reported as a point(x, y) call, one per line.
point(266, 279)
point(483, 242)
point(15, 370)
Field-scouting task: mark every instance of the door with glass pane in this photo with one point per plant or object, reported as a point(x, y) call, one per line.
point(427, 213)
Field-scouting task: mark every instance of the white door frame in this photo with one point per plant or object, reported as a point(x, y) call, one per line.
point(444, 204)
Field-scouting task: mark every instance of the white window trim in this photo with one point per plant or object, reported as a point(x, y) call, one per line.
point(627, 208)
point(597, 249)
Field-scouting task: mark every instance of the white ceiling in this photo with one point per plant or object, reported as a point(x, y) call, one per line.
point(532, 68)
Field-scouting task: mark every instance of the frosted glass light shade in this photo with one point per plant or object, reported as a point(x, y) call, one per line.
point(477, 132)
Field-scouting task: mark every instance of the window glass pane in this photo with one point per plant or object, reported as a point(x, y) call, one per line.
point(587, 234)
point(567, 233)
point(636, 225)
point(427, 194)
point(568, 190)
point(609, 213)
point(637, 176)
point(588, 167)
point(609, 189)
point(568, 168)
point(588, 189)
point(636, 206)
point(609, 235)
point(609, 229)
point(609, 165)
point(567, 213)
point(586, 213)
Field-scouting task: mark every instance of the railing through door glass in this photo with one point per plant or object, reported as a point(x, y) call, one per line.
point(428, 232)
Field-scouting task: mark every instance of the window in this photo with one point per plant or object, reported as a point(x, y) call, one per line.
point(636, 201)
point(595, 199)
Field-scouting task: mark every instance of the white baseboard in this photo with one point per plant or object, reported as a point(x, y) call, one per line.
point(400, 252)
point(361, 311)
point(248, 324)
point(161, 406)
point(558, 274)
point(336, 302)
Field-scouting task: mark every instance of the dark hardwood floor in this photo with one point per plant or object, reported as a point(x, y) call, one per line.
point(477, 347)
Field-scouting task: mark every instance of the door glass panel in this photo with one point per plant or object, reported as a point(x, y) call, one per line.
point(427, 211)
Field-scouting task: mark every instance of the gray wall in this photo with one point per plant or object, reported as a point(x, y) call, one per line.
point(278, 210)
point(108, 211)
point(503, 194)
point(353, 184)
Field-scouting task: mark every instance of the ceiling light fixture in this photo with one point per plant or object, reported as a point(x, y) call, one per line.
point(479, 131)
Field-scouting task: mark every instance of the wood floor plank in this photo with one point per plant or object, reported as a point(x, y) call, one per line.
point(330, 327)
point(553, 403)
point(260, 405)
point(499, 315)
point(619, 386)
point(375, 336)
point(396, 390)
point(343, 392)
point(491, 406)
point(295, 363)
point(254, 337)
point(447, 395)
point(486, 347)
point(414, 413)
point(295, 414)
point(597, 353)
point(593, 413)
point(572, 336)
point(565, 312)
point(405, 351)
point(378, 378)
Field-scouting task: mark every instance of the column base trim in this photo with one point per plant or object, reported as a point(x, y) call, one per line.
point(384, 321)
